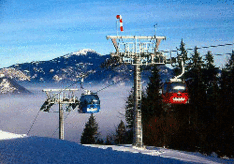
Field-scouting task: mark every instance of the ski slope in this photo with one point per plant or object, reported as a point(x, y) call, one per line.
point(18, 149)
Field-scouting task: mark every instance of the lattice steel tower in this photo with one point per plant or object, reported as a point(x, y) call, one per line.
point(62, 97)
point(137, 51)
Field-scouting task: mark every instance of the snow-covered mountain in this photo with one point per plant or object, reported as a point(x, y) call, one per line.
point(68, 67)
point(81, 52)
point(14, 74)
point(10, 86)
point(18, 149)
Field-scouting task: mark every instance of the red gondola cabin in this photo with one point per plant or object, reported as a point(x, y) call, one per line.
point(175, 92)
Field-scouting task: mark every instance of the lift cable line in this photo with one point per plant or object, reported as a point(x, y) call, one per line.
point(212, 46)
point(114, 83)
point(58, 126)
point(203, 47)
point(33, 122)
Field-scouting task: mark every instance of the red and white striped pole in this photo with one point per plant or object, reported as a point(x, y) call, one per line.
point(120, 22)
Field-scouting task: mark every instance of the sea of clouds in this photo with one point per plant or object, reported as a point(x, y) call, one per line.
point(17, 113)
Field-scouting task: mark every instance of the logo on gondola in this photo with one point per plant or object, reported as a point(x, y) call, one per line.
point(92, 109)
point(178, 98)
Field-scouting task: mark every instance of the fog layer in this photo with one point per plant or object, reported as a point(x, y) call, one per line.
point(17, 113)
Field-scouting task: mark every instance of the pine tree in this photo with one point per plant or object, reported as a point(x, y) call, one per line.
point(230, 63)
point(152, 110)
point(129, 109)
point(129, 117)
point(210, 73)
point(209, 60)
point(109, 140)
point(120, 137)
point(152, 103)
point(211, 102)
point(197, 88)
point(90, 133)
point(225, 121)
point(197, 96)
point(183, 51)
point(182, 55)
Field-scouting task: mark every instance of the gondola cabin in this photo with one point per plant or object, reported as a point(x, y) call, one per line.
point(175, 92)
point(89, 103)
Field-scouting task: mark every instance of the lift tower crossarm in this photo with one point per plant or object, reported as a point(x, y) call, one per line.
point(58, 90)
point(115, 45)
point(144, 48)
point(137, 37)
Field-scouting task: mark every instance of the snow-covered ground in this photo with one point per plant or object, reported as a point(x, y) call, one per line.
point(20, 149)
point(7, 135)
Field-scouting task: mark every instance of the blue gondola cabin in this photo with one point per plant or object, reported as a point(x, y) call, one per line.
point(89, 103)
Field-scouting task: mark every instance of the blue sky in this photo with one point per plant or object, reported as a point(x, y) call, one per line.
point(45, 29)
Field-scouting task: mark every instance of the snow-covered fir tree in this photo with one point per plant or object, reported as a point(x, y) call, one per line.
point(90, 133)
point(120, 137)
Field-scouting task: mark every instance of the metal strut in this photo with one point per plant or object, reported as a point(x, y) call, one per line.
point(177, 78)
point(137, 131)
point(61, 122)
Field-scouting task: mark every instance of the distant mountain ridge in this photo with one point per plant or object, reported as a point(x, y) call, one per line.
point(10, 86)
point(70, 66)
